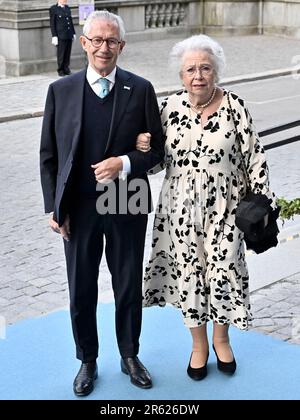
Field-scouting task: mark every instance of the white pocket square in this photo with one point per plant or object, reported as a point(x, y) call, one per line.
point(127, 87)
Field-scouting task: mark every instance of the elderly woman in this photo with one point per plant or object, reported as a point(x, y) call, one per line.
point(198, 260)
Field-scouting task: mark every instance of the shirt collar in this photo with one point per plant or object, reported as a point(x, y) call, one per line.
point(92, 76)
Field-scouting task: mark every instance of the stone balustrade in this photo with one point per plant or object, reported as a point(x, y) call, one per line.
point(165, 15)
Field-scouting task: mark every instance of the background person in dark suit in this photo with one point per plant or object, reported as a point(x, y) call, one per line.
point(63, 34)
point(90, 126)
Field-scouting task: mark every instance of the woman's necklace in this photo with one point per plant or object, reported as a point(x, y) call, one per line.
point(200, 108)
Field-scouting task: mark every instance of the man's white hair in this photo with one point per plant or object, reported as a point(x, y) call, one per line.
point(107, 16)
point(199, 43)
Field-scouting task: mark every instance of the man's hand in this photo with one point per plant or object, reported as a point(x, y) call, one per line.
point(54, 41)
point(143, 142)
point(108, 170)
point(64, 231)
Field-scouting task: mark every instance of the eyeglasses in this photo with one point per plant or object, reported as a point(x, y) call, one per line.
point(205, 70)
point(110, 42)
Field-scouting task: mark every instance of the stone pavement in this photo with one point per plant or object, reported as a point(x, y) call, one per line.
point(245, 55)
point(276, 309)
point(32, 268)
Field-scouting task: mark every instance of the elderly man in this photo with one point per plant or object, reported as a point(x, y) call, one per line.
point(63, 34)
point(91, 123)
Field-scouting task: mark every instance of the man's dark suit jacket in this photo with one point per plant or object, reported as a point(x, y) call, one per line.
point(135, 111)
point(61, 22)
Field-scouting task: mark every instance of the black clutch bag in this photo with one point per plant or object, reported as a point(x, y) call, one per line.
point(254, 214)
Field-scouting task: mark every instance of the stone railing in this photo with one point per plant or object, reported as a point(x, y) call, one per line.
point(165, 15)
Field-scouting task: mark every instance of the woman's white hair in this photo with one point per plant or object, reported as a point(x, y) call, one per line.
point(104, 15)
point(199, 43)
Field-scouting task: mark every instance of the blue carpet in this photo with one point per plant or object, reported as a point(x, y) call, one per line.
point(37, 362)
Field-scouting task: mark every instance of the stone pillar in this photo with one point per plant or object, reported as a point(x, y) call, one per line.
point(225, 17)
point(282, 17)
point(25, 37)
point(195, 17)
point(133, 16)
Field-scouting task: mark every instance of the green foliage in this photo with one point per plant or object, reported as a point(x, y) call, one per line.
point(289, 208)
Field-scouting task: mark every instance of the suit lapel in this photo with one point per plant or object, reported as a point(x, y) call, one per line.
point(75, 107)
point(123, 90)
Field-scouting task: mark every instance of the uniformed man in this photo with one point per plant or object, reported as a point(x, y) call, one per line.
point(63, 33)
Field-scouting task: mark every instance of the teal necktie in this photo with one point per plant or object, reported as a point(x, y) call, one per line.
point(104, 87)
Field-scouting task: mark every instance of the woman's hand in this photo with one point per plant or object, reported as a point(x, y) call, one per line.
point(143, 142)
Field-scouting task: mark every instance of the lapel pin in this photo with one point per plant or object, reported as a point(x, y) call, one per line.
point(127, 87)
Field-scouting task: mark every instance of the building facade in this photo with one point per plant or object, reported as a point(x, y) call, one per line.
point(25, 38)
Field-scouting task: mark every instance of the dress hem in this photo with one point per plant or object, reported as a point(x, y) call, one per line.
point(208, 318)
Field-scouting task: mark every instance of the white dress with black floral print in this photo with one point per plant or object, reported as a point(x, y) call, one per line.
point(198, 262)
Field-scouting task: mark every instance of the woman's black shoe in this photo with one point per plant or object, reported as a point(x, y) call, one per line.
point(197, 373)
point(225, 367)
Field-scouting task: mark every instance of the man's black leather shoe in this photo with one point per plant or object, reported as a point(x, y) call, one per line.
point(84, 382)
point(139, 375)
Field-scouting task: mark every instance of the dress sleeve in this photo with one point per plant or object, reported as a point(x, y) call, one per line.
point(253, 153)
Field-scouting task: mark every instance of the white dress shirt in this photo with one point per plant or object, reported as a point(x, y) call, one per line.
point(93, 80)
